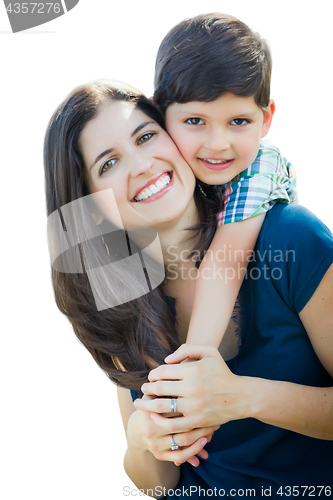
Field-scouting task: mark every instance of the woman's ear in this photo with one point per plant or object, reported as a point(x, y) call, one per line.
point(268, 117)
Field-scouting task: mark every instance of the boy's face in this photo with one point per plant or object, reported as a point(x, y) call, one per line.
point(218, 139)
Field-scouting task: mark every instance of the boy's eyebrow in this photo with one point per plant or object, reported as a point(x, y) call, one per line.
point(108, 151)
point(182, 111)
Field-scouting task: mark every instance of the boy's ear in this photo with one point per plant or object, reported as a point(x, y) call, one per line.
point(268, 117)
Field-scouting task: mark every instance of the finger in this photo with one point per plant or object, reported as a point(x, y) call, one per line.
point(209, 437)
point(186, 439)
point(147, 397)
point(194, 461)
point(203, 453)
point(158, 405)
point(169, 372)
point(167, 388)
point(180, 456)
point(190, 351)
point(176, 425)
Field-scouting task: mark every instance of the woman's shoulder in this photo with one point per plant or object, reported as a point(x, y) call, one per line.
point(298, 248)
point(294, 224)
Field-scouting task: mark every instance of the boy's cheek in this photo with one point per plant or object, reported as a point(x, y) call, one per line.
point(180, 139)
point(184, 141)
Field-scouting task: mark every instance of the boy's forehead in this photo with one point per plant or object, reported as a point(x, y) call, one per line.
point(226, 103)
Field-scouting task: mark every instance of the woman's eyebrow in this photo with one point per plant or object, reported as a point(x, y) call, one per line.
point(108, 151)
point(142, 125)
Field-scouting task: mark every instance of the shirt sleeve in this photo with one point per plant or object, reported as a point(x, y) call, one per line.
point(298, 248)
point(270, 178)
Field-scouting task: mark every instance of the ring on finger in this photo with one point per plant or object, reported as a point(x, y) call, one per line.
point(174, 445)
point(173, 405)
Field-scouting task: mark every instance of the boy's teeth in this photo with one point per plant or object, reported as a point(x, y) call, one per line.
point(153, 188)
point(216, 161)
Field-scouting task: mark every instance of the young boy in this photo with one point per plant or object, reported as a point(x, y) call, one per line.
point(212, 82)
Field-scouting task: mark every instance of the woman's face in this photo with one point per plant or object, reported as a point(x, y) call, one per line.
point(127, 151)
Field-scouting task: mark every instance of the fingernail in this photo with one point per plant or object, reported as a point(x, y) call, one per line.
point(169, 357)
point(142, 387)
point(136, 403)
point(216, 427)
point(203, 441)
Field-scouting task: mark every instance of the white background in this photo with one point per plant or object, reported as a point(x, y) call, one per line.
point(62, 437)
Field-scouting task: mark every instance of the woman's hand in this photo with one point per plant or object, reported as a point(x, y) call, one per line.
point(208, 392)
point(149, 435)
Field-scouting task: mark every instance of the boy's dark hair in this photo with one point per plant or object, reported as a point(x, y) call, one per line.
point(209, 55)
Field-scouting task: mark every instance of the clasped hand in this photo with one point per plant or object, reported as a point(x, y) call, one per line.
point(208, 395)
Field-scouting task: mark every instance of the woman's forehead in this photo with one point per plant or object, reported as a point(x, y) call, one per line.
point(114, 123)
point(114, 114)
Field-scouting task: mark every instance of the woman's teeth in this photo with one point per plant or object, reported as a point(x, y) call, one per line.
point(153, 188)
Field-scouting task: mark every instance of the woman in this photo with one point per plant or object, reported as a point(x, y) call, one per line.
point(274, 393)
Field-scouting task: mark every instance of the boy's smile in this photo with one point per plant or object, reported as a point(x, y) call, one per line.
point(219, 139)
point(214, 164)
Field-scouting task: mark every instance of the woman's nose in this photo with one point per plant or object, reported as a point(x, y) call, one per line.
point(140, 164)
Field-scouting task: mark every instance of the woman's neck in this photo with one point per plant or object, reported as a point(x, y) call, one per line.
point(176, 242)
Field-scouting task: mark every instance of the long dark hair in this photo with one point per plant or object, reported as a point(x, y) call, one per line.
point(128, 339)
point(204, 57)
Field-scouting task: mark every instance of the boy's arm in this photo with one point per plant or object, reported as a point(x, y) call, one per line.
point(221, 274)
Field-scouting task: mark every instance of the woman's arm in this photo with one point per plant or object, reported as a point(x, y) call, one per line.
point(307, 410)
point(209, 393)
point(149, 460)
point(140, 465)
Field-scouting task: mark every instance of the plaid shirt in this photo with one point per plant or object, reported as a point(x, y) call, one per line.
point(271, 178)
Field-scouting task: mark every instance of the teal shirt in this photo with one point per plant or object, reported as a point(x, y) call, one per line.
point(293, 252)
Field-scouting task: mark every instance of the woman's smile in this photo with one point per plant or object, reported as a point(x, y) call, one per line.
point(155, 188)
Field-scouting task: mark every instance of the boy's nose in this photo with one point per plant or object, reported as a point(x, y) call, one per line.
point(218, 141)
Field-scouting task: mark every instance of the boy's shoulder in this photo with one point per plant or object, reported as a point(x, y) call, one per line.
point(266, 147)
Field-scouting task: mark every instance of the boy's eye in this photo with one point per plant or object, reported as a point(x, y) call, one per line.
point(195, 121)
point(145, 137)
point(108, 165)
point(239, 121)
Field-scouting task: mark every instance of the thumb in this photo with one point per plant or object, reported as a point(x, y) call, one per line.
point(190, 351)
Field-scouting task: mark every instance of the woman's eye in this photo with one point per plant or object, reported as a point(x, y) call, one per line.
point(239, 121)
point(195, 121)
point(108, 165)
point(145, 137)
